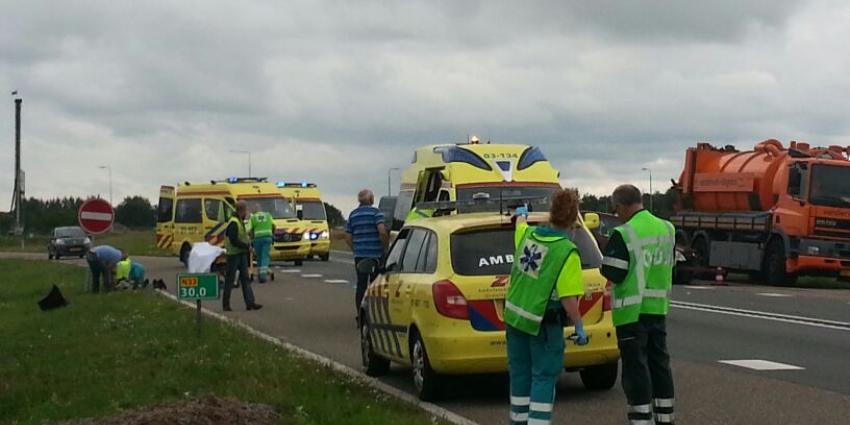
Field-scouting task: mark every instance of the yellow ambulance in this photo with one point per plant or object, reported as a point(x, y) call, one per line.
point(198, 212)
point(472, 170)
point(313, 219)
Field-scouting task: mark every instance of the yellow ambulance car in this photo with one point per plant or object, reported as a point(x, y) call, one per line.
point(462, 172)
point(198, 212)
point(312, 217)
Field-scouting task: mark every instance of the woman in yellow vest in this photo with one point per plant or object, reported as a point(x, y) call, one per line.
point(545, 277)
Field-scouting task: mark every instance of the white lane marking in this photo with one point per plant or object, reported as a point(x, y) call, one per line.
point(433, 409)
point(310, 276)
point(800, 320)
point(761, 365)
point(773, 294)
point(339, 252)
point(698, 287)
point(91, 215)
point(336, 281)
point(335, 260)
point(290, 270)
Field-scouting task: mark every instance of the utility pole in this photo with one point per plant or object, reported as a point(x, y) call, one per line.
point(18, 196)
point(650, 188)
point(389, 181)
point(109, 169)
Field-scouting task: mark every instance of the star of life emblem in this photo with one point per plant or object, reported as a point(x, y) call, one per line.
point(532, 258)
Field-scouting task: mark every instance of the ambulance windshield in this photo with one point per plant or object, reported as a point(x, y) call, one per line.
point(278, 207)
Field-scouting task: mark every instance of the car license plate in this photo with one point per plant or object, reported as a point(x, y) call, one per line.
point(74, 249)
point(845, 273)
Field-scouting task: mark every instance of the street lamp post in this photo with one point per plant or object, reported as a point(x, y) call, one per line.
point(249, 159)
point(389, 180)
point(650, 188)
point(109, 170)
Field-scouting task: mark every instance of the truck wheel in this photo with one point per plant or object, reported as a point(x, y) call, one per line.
point(700, 247)
point(426, 381)
point(325, 257)
point(299, 263)
point(184, 254)
point(599, 378)
point(775, 272)
point(373, 364)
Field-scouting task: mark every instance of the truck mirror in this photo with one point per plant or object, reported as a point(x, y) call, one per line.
point(591, 221)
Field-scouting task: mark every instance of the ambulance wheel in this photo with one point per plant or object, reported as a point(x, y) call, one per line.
point(184, 254)
point(325, 257)
point(426, 381)
point(373, 364)
point(599, 378)
point(57, 256)
point(299, 263)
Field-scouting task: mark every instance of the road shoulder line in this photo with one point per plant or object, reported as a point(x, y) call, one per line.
point(431, 408)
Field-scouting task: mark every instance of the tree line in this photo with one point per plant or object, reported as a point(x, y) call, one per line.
point(662, 203)
point(135, 212)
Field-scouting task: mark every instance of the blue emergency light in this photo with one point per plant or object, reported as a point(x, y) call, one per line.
point(233, 179)
point(303, 184)
point(281, 184)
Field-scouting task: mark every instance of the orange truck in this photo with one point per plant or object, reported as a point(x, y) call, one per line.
point(773, 212)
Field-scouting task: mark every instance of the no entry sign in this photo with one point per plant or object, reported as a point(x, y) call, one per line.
point(96, 216)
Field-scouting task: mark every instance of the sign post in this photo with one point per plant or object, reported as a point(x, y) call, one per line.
point(96, 216)
point(198, 287)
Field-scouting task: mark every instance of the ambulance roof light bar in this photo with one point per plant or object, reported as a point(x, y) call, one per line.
point(301, 184)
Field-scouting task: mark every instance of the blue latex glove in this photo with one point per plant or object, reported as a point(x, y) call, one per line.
point(581, 337)
point(523, 211)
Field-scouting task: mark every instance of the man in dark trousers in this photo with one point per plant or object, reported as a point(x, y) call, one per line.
point(238, 247)
point(367, 236)
point(639, 261)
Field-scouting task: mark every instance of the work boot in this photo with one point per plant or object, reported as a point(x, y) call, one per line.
point(255, 306)
point(227, 308)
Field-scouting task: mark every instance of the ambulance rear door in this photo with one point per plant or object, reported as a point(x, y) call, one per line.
point(165, 218)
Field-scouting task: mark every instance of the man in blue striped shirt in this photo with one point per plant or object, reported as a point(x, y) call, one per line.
point(368, 238)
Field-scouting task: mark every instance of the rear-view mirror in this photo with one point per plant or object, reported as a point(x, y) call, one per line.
point(591, 220)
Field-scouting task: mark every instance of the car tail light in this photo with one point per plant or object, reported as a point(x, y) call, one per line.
point(606, 297)
point(449, 301)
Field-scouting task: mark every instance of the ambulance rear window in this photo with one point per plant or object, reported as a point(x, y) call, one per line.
point(483, 252)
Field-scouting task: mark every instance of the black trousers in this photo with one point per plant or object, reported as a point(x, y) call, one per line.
point(99, 270)
point(363, 281)
point(238, 263)
point(646, 377)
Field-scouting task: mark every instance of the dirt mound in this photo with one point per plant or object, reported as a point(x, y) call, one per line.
point(208, 410)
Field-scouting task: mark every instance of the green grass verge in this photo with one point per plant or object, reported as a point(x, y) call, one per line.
point(104, 353)
point(136, 242)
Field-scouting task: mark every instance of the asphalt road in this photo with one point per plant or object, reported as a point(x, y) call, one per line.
point(312, 306)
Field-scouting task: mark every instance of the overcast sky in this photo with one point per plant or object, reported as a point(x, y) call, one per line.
point(338, 92)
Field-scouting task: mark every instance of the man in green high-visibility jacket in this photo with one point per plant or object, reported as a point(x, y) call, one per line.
point(546, 275)
point(639, 260)
point(262, 229)
point(238, 247)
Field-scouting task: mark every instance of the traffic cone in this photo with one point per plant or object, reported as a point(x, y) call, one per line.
point(720, 277)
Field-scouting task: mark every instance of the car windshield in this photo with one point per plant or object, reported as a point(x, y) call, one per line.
point(278, 207)
point(491, 251)
point(540, 194)
point(70, 232)
point(313, 210)
point(829, 186)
